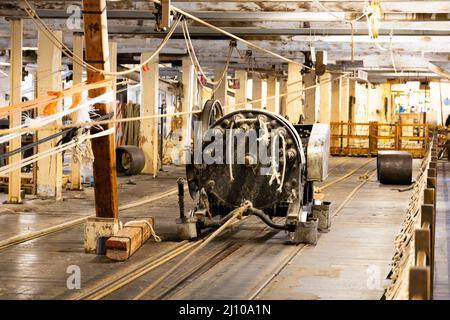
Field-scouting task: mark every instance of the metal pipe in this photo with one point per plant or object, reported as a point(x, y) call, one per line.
point(260, 214)
point(180, 183)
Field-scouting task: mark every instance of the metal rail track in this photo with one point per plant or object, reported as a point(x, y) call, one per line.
point(366, 177)
point(15, 240)
point(72, 223)
point(109, 286)
point(125, 277)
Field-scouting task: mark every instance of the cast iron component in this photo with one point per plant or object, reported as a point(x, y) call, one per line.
point(180, 183)
point(130, 160)
point(261, 158)
point(394, 167)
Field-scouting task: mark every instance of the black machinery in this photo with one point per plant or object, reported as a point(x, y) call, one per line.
point(259, 157)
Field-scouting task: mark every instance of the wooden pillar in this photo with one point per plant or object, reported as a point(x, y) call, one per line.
point(113, 67)
point(189, 96)
point(325, 98)
point(105, 177)
point(76, 183)
point(15, 83)
point(221, 92)
point(283, 97)
point(352, 101)
point(149, 107)
point(257, 91)
point(272, 103)
point(344, 98)
point(49, 169)
point(241, 93)
point(294, 106)
point(336, 109)
point(311, 110)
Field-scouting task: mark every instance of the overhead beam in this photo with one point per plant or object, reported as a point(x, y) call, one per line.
point(417, 6)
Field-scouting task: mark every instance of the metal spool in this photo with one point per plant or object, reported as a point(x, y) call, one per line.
point(130, 160)
point(211, 112)
point(249, 183)
point(394, 167)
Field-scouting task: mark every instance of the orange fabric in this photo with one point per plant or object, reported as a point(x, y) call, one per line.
point(51, 100)
point(50, 108)
point(76, 99)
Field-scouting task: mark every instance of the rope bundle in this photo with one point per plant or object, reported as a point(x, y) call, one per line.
point(404, 241)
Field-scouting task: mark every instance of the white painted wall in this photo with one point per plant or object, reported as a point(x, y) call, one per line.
point(439, 92)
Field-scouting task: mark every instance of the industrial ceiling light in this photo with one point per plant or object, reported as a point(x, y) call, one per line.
point(374, 18)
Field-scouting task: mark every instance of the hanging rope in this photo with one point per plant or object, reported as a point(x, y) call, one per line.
point(37, 123)
point(60, 148)
point(114, 121)
point(59, 44)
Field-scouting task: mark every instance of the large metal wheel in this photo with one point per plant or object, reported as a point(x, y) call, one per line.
point(211, 112)
point(130, 160)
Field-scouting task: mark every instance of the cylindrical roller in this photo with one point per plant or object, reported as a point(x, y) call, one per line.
point(130, 160)
point(394, 167)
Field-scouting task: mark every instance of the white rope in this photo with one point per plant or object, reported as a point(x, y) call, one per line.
point(280, 188)
point(327, 10)
point(273, 164)
point(192, 55)
point(42, 121)
point(248, 43)
point(152, 231)
point(230, 160)
point(48, 33)
point(49, 152)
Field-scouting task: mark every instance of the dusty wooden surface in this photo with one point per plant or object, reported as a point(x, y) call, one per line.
point(442, 253)
point(232, 267)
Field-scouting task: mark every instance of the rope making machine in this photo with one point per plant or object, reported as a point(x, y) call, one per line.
point(258, 157)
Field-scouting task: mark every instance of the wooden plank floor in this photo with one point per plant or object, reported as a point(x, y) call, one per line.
point(442, 253)
point(353, 259)
point(360, 242)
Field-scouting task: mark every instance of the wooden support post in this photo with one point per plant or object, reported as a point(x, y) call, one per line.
point(352, 101)
point(419, 284)
point(76, 183)
point(113, 67)
point(165, 16)
point(422, 247)
point(49, 169)
point(294, 107)
point(149, 107)
point(283, 99)
point(105, 177)
point(336, 107)
point(222, 90)
point(428, 217)
point(373, 140)
point(325, 98)
point(189, 97)
point(429, 196)
point(272, 103)
point(15, 84)
point(344, 95)
point(257, 91)
point(241, 93)
point(311, 110)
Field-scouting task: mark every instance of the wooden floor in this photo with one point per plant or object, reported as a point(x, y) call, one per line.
point(350, 262)
point(442, 250)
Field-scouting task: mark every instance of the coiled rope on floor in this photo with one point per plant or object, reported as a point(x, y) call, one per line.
point(404, 240)
point(236, 214)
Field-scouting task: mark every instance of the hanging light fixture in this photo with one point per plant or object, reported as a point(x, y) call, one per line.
point(374, 18)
